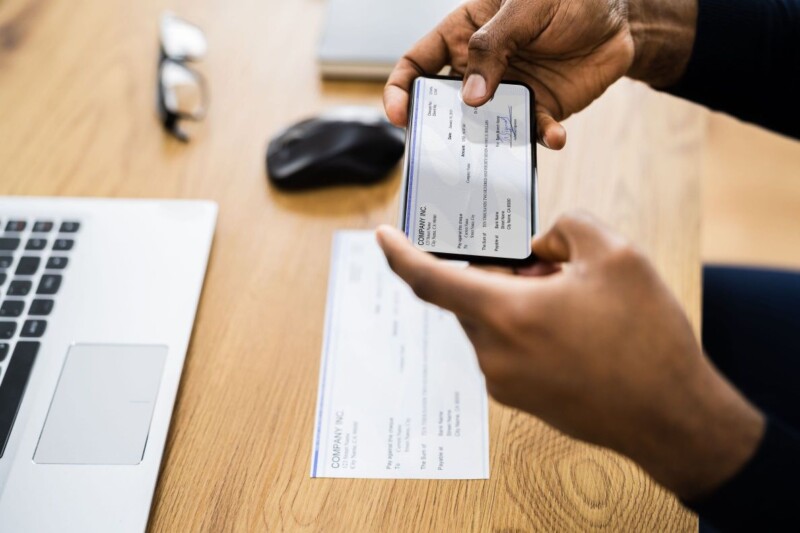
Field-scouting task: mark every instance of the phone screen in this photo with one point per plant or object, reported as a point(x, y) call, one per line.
point(470, 173)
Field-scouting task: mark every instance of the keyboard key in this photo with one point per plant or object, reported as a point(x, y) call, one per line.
point(63, 244)
point(16, 225)
point(19, 287)
point(69, 227)
point(49, 284)
point(33, 328)
point(3, 350)
point(5, 261)
point(40, 307)
point(9, 243)
point(2, 277)
point(7, 329)
point(12, 308)
point(42, 226)
point(56, 262)
point(36, 244)
point(13, 386)
point(28, 266)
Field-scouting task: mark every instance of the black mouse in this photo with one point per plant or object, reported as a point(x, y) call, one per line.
point(344, 145)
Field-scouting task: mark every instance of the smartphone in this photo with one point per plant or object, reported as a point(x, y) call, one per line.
point(469, 180)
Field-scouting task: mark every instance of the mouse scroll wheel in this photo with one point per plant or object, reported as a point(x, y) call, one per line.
point(289, 143)
point(291, 139)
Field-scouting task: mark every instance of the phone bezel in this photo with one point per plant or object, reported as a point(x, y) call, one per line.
point(477, 259)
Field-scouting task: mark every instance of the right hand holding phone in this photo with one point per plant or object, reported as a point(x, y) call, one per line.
point(592, 342)
point(569, 51)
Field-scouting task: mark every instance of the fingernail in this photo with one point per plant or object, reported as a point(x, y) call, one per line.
point(474, 88)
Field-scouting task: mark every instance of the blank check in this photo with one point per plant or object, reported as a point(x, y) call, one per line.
point(400, 392)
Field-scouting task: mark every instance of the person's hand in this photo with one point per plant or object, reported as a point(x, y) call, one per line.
point(568, 51)
point(596, 346)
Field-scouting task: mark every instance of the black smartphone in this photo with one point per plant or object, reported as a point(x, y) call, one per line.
point(469, 179)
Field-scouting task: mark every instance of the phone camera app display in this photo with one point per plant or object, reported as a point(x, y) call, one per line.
point(470, 172)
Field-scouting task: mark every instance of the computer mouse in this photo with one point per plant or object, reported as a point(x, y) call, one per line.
point(343, 145)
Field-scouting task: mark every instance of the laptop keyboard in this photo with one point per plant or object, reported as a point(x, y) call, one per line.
point(34, 254)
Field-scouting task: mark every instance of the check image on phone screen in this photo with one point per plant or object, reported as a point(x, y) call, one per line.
point(469, 172)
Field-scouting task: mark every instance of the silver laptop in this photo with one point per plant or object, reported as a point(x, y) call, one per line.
point(97, 302)
point(363, 39)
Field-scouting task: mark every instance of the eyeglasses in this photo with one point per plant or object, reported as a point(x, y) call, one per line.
point(182, 91)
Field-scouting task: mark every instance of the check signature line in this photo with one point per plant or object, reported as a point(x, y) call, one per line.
point(507, 132)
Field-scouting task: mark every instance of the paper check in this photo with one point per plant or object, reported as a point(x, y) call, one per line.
point(400, 392)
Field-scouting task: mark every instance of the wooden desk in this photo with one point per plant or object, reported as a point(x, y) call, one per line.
point(77, 82)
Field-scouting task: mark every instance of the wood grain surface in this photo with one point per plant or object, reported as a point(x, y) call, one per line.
point(751, 196)
point(77, 117)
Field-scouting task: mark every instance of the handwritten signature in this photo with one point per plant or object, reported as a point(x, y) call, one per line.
point(506, 128)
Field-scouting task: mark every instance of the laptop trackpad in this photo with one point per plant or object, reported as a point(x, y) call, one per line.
point(102, 406)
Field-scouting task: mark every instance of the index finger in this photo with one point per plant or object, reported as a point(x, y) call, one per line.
point(428, 56)
point(464, 291)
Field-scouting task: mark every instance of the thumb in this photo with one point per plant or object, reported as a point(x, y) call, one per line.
point(576, 237)
point(491, 47)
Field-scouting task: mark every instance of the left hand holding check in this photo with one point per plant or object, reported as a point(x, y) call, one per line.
point(592, 342)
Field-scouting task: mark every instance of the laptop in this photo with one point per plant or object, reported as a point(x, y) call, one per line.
point(97, 302)
point(363, 39)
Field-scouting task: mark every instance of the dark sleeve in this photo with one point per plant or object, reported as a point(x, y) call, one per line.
point(763, 496)
point(746, 62)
